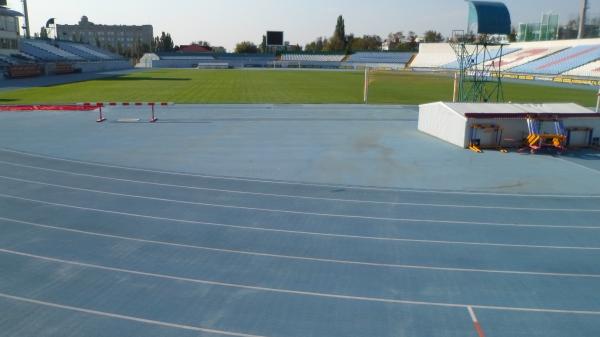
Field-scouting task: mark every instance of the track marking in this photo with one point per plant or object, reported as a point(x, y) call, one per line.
point(301, 258)
point(124, 317)
point(232, 226)
point(275, 182)
point(268, 210)
point(298, 292)
point(301, 197)
point(476, 323)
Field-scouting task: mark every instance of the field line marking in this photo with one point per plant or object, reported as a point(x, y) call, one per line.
point(275, 182)
point(302, 258)
point(268, 210)
point(476, 323)
point(123, 317)
point(296, 292)
point(356, 201)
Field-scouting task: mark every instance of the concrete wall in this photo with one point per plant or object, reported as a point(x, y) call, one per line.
point(88, 67)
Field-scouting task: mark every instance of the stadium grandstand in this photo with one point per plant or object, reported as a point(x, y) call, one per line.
point(480, 57)
point(35, 57)
point(313, 57)
point(574, 58)
point(25, 57)
point(588, 70)
point(205, 60)
point(387, 60)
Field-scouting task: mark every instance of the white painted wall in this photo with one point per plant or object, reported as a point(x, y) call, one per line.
point(438, 120)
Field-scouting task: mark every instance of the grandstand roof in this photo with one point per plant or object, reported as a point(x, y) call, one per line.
point(8, 12)
point(490, 18)
point(193, 48)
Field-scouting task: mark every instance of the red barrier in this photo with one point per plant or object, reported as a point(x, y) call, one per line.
point(47, 108)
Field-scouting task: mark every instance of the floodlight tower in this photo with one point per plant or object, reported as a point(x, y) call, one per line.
point(582, 19)
point(26, 13)
point(479, 55)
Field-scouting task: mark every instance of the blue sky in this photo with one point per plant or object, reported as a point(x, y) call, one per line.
point(225, 22)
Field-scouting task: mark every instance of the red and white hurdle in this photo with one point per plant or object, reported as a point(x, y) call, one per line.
point(100, 105)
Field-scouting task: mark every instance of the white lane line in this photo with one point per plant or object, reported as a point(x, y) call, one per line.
point(212, 224)
point(275, 182)
point(476, 323)
point(269, 210)
point(302, 258)
point(124, 317)
point(472, 314)
point(296, 292)
point(354, 201)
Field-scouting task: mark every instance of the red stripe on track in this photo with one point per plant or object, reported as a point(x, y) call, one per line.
point(85, 107)
point(479, 330)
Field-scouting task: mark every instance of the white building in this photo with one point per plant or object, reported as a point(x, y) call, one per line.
point(9, 31)
point(105, 35)
point(454, 122)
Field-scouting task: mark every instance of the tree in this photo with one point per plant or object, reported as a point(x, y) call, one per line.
point(413, 45)
point(263, 44)
point(164, 43)
point(512, 37)
point(316, 46)
point(340, 29)
point(246, 47)
point(569, 31)
point(43, 33)
point(432, 36)
point(366, 42)
point(219, 50)
point(201, 43)
point(338, 41)
point(294, 48)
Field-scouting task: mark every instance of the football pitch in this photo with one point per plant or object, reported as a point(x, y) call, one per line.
point(278, 87)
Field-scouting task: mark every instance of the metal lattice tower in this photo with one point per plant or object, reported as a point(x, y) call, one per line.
point(479, 57)
point(479, 68)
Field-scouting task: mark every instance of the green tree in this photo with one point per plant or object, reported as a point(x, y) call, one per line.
point(246, 47)
point(201, 43)
point(412, 44)
point(366, 42)
point(316, 46)
point(219, 50)
point(263, 44)
point(340, 29)
point(432, 36)
point(43, 33)
point(512, 37)
point(295, 48)
point(338, 40)
point(164, 43)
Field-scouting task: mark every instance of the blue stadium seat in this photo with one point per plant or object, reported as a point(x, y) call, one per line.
point(381, 57)
point(494, 53)
point(562, 61)
point(47, 52)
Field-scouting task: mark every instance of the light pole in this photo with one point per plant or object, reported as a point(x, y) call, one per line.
point(26, 12)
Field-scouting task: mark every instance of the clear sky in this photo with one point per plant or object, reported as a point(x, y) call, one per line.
point(225, 22)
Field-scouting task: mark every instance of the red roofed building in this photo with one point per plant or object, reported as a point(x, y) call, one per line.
point(194, 48)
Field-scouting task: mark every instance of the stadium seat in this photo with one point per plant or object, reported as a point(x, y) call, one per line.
point(588, 70)
point(313, 57)
point(380, 57)
point(47, 52)
point(83, 51)
point(562, 61)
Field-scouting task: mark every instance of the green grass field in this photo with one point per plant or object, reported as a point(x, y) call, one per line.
point(273, 86)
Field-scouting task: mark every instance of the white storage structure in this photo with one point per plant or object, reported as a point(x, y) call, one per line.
point(454, 122)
